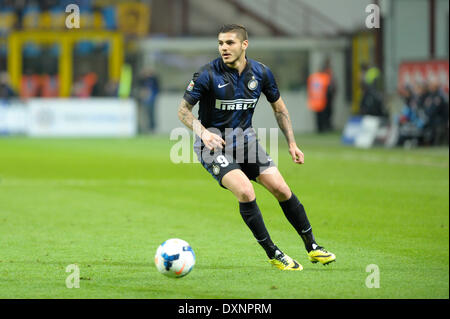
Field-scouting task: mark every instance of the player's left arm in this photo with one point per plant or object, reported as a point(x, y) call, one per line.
point(284, 122)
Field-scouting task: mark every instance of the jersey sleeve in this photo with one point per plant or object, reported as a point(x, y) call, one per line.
point(197, 87)
point(270, 87)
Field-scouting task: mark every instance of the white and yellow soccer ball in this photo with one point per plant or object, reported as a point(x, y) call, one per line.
point(174, 258)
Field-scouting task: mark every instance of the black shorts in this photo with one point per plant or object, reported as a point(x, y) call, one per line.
point(252, 159)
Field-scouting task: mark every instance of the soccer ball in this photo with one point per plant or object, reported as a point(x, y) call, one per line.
point(174, 258)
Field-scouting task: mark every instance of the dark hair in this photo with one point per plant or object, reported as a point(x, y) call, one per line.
point(240, 30)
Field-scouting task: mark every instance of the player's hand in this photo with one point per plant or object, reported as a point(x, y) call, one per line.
point(212, 141)
point(296, 154)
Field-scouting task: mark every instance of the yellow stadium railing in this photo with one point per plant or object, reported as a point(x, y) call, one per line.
point(66, 40)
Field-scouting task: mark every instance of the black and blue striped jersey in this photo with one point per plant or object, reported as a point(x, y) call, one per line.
point(226, 99)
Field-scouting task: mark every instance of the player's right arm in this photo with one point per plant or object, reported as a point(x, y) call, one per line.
point(197, 89)
point(211, 140)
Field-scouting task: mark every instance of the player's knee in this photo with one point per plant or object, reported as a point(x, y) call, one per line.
point(281, 191)
point(246, 193)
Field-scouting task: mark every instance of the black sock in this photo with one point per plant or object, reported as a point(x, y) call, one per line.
point(296, 215)
point(252, 217)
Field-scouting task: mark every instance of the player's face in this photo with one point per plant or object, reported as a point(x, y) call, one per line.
point(231, 48)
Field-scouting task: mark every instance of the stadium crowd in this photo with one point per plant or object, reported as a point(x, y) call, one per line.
point(424, 117)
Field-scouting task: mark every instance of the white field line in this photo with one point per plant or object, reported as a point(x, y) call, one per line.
point(23, 182)
point(380, 159)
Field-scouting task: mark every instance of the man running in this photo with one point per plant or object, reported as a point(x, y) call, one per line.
point(228, 89)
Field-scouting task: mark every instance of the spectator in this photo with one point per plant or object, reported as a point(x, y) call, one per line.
point(148, 92)
point(85, 85)
point(321, 90)
point(331, 92)
point(50, 85)
point(411, 120)
point(111, 88)
point(6, 90)
point(372, 101)
point(421, 93)
point(436, 110)
point(30, 84)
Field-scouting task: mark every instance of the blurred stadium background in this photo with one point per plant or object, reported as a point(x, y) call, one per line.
point(124, 70)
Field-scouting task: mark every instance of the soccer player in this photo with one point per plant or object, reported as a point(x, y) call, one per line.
point(228, 89)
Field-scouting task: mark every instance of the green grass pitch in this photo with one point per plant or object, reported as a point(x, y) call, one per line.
point(106, 204)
